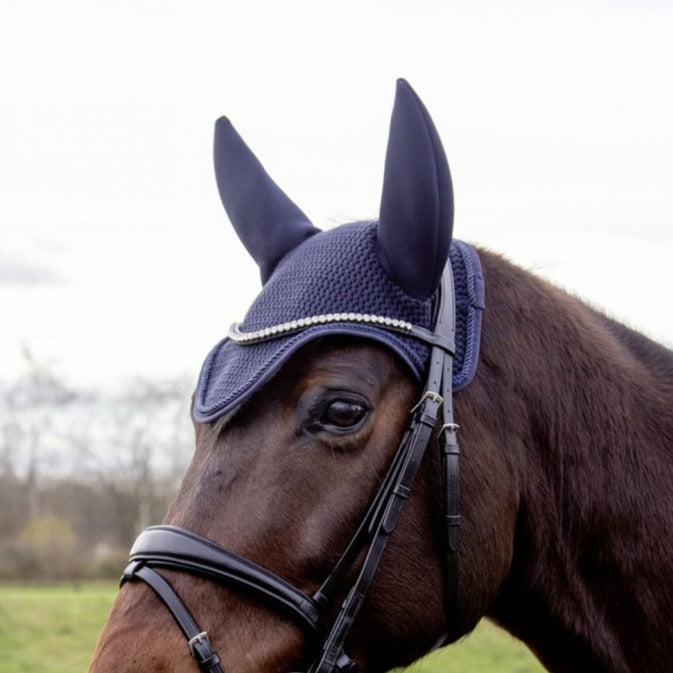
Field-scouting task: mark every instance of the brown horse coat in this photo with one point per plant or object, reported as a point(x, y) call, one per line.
point(567, 471)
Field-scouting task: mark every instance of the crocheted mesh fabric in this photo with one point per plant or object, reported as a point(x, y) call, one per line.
point(337, 271)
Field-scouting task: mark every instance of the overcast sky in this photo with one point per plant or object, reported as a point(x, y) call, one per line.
point(116, 258)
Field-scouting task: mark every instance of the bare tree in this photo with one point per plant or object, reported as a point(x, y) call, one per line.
point(104, 465)
point(137, 451)
point(29, 408)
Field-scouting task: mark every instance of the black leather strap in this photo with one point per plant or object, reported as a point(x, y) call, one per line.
point(367, 528)
point(180, 549)
point(333, 658)
point(450, 461)
point(444, 341)
point(199, 644)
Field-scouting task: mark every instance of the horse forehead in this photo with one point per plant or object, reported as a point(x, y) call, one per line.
point(353, 364)
point(350, 362)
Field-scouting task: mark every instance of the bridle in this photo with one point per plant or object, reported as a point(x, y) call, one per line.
point(179, 549)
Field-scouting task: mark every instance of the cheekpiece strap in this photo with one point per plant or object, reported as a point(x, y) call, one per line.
point(333, 658)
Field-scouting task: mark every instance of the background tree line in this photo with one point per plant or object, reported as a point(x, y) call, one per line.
point(83, 472)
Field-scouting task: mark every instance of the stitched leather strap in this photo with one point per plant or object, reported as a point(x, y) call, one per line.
point(333, 658)
point(199, 644)
point(180, 549)
point(450, 461)
point(366, 529)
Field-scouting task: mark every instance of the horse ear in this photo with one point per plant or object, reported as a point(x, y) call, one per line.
point(265, 219)
point(416, 214)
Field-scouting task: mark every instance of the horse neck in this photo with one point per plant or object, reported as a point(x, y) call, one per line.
point(591, 579)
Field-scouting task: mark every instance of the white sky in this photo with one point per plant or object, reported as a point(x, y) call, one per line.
point(116, 258)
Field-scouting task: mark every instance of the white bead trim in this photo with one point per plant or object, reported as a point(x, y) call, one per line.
point(235, 334)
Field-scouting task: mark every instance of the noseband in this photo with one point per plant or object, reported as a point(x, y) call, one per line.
point(178, 549)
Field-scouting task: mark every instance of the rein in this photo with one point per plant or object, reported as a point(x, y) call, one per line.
point(179, 549)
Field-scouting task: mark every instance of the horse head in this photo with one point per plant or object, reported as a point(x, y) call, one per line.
point(325, 438)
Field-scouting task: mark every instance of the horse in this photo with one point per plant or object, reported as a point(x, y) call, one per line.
point(557, 527)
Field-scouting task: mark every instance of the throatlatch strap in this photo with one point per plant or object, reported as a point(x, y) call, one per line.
point(450, 461)
point(199, 644)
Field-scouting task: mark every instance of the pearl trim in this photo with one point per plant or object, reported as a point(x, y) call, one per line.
point(235, 333)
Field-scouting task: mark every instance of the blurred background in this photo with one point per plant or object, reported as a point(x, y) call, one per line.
point(119, 270)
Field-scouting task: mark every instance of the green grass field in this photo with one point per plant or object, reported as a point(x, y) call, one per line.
point(53, 629)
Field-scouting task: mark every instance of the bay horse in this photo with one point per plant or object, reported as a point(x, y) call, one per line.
point(302, 413)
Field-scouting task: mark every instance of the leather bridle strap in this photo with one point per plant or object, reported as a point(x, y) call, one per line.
point(450, 457)
point(333, 658)
point(368, 525)
point(450, 462)
point(179, 549)
point(199, 644)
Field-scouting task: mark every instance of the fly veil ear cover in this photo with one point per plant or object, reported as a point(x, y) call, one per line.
point(364, 279)
point(416, 212)
point(265, 219)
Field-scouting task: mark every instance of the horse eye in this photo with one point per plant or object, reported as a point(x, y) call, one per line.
point(343, 414)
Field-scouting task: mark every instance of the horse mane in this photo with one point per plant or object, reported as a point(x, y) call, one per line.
point(656, 357)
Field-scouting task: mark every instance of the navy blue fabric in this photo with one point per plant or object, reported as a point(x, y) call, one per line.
point(337, 271)
point(416, 213)
point(265, 219)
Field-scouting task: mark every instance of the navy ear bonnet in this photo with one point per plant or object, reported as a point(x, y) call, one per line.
point(335, 272)
point(376, 280)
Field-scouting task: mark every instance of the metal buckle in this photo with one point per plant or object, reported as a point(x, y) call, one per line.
point(449, 443)
point(428, 395)
point(449, 427)
point(198, 639)
point(344, 664)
